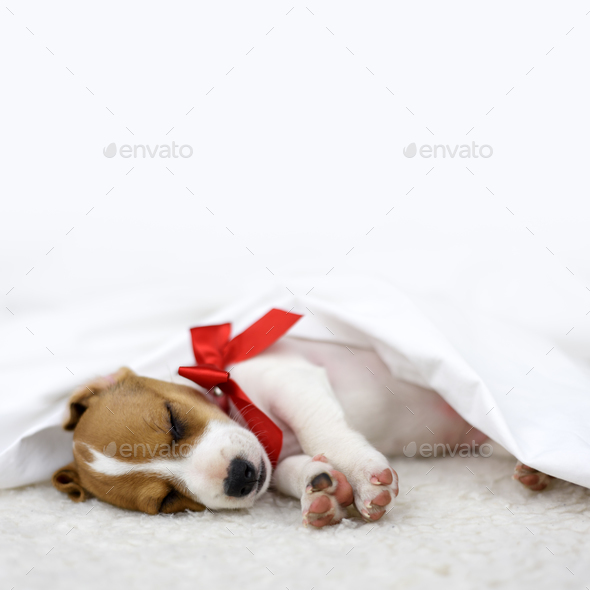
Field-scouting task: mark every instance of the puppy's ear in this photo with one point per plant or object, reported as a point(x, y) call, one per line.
point(83, 396)
point(67, 480)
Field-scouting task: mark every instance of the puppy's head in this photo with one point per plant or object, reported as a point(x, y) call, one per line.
point(153, 446)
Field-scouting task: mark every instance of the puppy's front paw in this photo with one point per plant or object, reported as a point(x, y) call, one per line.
point(375, 485)
point(531, 478)
point(326, 494)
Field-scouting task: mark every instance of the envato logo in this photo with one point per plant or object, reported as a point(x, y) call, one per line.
point(467, 450)
point(146, 151)
point(140, 450)
point(463, 151)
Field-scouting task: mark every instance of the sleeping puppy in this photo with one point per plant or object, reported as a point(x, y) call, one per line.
point(154, 446)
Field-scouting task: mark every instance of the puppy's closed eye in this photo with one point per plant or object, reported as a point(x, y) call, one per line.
point(177, 426)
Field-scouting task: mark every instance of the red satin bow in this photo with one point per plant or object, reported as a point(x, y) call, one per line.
point(214, 350)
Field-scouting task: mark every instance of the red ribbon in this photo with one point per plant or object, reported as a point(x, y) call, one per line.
point(214, 351)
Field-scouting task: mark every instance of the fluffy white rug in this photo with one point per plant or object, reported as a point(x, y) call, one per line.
point(458, 523)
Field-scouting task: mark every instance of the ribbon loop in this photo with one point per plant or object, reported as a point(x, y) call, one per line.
point(214, 350)
point(208, 344)
point(259, 336)
point(206, 376)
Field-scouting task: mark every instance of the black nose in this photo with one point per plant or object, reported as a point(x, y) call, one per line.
point(241, 478)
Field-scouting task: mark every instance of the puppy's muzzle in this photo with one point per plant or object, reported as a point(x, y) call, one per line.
point(242, 478)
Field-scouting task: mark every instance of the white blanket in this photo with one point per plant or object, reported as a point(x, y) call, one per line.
point(542, 418)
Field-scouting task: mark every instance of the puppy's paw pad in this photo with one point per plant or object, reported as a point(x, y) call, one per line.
point(386, 478)
point(321, 509)
point(343, 493)
point(320, 505)
point(321, 482)
point(531, 478)
point(382, 499)
point(373, 511)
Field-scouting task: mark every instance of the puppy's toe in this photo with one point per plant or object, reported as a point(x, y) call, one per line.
point(374, 508)
point(320, 505)
point(386, 478)
point(531, 478)
point(321, 509)
point(326, 487)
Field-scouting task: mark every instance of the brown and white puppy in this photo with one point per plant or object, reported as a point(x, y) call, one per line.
point(154, 446)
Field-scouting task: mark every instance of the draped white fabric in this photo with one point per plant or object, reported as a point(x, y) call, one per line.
point(542, 420)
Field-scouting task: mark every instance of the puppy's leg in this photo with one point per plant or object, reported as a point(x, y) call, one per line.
point(324, 492)
point(531, 478)
point(300, 395)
